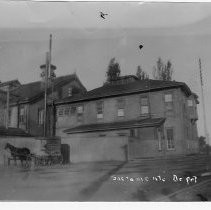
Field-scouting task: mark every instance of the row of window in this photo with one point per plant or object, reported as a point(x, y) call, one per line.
point(144, 105)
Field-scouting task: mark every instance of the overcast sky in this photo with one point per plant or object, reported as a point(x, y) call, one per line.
point(84, 42)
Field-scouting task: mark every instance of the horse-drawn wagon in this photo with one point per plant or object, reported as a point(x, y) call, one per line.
point(46, 151)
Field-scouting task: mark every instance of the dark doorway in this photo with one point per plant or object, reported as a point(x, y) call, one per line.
point(65, 150)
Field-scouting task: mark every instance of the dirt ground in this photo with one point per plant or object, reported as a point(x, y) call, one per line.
point(107, 181)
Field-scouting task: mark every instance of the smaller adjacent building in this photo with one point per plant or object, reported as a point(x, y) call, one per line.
point(26, 103)
point(129, 118)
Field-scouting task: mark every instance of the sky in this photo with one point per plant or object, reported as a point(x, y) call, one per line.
point(84, 43)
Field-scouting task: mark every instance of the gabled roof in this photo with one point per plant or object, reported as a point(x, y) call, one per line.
point(111, 90)
point(13, 132)
point(33, 90)
point(14, 82)
point(148, 122)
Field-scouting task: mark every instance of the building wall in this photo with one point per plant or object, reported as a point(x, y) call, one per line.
point(88, 149)
point(178, 119)
point(30, 123)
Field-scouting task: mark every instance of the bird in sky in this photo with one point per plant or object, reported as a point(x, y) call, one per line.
point(102, 15)
point(140, 46)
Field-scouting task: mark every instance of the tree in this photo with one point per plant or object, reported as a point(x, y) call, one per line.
point(163, 71)
point(142, 75)
point(113, 71)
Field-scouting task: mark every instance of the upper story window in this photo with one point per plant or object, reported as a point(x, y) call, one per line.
point(67, 110)
point(168, 98)
point(70, 91)
point(40, 116)
point(120, 107)
point(190, 103)
point(169, 102)
point(144, 105)
point(60, 111)
point(80, 109)
point(99, 107)
point(22, 115)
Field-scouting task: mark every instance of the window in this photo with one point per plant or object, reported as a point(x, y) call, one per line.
point(168, 98)
point(169, 102)
point(190, 102)
point(99, 107)
point(120, 107)
point(22, 115)
point(67, 110)
point(170, 138)
point(144, 105)
point(40, 116)
point(70, 91)
point(60, 111)
point(80, 111)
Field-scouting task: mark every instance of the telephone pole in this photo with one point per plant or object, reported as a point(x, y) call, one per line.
point(203, 104)
point(8, 106)
point(48, 72)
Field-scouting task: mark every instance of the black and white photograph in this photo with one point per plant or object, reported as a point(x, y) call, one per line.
point(105, 101)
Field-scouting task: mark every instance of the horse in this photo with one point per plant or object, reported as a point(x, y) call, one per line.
point(19, 153)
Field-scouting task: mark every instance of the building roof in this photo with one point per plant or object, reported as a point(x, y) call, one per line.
point(3, 96)
point(148, 122)
point(33, 90)
point(14, 82)
point(111, 90)
point(13, 132)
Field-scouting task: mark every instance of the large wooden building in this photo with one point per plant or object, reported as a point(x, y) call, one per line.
point(26, 107)
point(129, 118)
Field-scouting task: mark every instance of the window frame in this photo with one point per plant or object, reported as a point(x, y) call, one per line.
point(169, 104)
point(22, 115)
point(78, 110)
point(121, 107)
point(144, 105)
point(70, 91)
point(100, 109)
point(80, 113)
point(60, 111)
point(67, 111)
point(172, 141)
point(188, 104)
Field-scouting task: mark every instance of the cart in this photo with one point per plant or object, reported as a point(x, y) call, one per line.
point(47, 151)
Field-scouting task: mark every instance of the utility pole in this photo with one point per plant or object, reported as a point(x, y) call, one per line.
point(203, 104)
point(8, 106)
point(45, 94)
point(47, 74)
